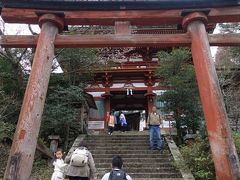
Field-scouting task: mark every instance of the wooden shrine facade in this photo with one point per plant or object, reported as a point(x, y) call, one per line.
point(125, 86)
point(193, 16)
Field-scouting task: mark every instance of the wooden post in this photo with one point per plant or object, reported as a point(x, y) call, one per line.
point(107, 95)
point(25, 138)
point(150, 100)
point(222, 146)
point(149, 82)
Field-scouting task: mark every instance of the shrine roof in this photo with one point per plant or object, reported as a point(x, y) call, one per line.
point(116, 5)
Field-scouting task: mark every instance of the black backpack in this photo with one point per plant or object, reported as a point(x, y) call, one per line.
point(117, 175)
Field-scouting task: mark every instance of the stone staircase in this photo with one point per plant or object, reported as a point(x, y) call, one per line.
point(139, 161)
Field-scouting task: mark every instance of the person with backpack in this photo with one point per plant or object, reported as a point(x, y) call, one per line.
point(116, 173)
point(81, 165)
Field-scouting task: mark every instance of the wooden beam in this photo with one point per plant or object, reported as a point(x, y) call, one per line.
point(97, 41)
point(123, 89)
point(135, 17)
point(224, 39)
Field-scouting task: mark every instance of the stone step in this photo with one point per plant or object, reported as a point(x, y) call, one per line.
point(119, 141)
point(118, 134)
point(153, 178)
point(142, 160)
point(124, 151)
point(101, 143)
point(127, 146)
point(116, 147)
point(121, 145)
point(104, 144)
point(91, 145)
point(153, 175)
point(123, 138)
point(145, 169)
point(118, 137)
point(125, 156)
point(158, 178)
point(156, 175)
point(137, 164)
point(115, 137)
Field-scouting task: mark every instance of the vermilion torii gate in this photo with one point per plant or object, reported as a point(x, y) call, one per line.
point(52, 16)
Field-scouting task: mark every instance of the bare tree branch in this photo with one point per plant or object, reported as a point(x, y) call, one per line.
point(31, 30)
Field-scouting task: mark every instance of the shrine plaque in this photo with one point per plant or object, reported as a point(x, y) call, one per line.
point(95, 124)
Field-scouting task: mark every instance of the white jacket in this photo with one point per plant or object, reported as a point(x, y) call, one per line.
point(59, 166)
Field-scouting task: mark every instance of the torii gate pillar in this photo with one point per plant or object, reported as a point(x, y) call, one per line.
point(223, 150)
point(25, 138)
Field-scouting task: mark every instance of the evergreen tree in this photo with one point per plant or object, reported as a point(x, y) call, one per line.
point(177, 71)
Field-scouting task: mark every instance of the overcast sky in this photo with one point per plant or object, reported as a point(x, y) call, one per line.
point(20, 29)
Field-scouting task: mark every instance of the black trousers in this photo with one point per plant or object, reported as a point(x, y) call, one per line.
point(78, 178)
point(123, 128)
point(110, 129)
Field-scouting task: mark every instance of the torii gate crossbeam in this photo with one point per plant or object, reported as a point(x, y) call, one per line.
point(132, 40)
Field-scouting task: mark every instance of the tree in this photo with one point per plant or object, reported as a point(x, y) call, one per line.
point(65, 94)
point(76, 62)
point(228, 64)
point(65, 90)
point(182, 98)
point(61, 108)
point(13, 78)
point(230, 54)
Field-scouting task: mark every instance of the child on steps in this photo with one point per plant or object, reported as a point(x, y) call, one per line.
point(59, 166)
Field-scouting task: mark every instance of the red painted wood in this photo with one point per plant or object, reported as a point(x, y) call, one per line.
point(223, 150)
point(122, 27)
point(150, 98)
point(134, 40)
point(151, 17)
point(107, 106)
point(124, 90)
point(25, 139)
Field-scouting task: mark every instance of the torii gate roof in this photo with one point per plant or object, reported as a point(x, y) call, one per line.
point(116, 5)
